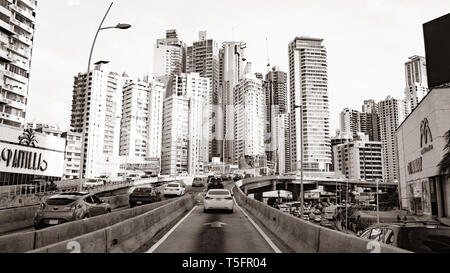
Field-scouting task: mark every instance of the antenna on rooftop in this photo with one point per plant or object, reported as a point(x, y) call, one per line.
point(267, 54)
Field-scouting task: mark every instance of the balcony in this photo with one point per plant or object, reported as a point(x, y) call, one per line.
point(7, 27)
point(23, 39)
point(14, 89)
point(16, 104)
point(29, 3)
point(22, 25)
point(4, 54)
point(3, 99)
point(21, 64)
point(12, 118)
point(20, 51)
point(16, 77)
point(23, 12)
point(5, 11)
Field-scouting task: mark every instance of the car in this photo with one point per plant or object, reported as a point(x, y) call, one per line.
point(215, 183)
point(415, 236)
point(174, 188)
point(317, 212)
point(198, 182)
point(284, 208)
point(325, 223)
point(220, 199)
point(237, 177)
point(69, 206)
point(317, 218)
point(144, 195)
point(93, 182)
point(105, 178)
point(305, 217)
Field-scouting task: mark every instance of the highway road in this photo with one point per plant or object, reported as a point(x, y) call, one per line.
point(215, 232)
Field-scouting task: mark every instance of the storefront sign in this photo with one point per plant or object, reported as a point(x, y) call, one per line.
point(425, 137)
point(415, 166)
point(16, 158)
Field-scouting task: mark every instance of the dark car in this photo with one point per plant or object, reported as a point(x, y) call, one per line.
point(215, 183)
point(237, 177)
point(419, 236)
point(144, 195)
point(198, 182)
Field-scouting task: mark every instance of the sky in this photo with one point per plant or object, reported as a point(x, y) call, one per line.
point(367, 41)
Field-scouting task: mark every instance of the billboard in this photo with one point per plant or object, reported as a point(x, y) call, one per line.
point(437, 44)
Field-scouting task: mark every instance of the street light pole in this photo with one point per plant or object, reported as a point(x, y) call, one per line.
point(301, 160)
point(378, 211)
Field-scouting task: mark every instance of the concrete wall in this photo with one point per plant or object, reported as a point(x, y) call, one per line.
point(302, 236)
point(17, 218)
point(22, 242)
point(125, 236)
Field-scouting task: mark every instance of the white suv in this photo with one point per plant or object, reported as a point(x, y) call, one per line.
point(174, 189)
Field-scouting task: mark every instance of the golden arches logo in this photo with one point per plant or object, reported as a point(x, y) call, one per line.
point(425, 133)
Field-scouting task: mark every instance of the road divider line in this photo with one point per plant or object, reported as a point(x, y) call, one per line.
point(272, 245)
point(155, 246)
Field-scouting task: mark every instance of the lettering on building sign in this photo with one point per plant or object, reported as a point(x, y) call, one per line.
point(415, 166)
point(425, 136)
point(23, 159)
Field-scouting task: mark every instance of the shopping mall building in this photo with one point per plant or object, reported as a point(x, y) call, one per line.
point(421, 146)
point(23, 159)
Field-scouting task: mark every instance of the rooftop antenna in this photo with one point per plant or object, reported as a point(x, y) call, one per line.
point(267, 54)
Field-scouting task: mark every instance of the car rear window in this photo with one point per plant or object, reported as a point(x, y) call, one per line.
point(215, 180)
point(143, 190)
point(59, 201)
point(424, 239)
point(218, 193)
point(173, 185)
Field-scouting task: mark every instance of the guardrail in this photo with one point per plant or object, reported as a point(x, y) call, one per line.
point(304, 237)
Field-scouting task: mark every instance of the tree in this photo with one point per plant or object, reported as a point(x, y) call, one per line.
point(28, 138)
point(444, 165)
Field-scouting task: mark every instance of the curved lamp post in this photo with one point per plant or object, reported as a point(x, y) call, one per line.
point(301, 160)
point(118, 26)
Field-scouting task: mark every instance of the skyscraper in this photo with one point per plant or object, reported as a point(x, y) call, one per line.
point(392, 113)
point(141, 124)
point(185, 141)
point(370, 120)
point(231, 71)
point(416, 82)
point(249, 118)
point(350, 121)
point(16, 44)
point(203, 58)
point(275, 89)
point(169, 56)
point(97, 113)
point(309, 89)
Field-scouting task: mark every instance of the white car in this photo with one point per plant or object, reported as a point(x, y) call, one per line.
point(218, 199)
point(174, 189)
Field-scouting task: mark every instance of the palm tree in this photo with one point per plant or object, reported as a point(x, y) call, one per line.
point(444, 165)
point(28, 138)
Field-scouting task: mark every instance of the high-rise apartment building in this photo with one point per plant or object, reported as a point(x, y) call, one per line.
point(370, 120)
point(185, 141)
point(416, 82)
point(275, 88)
point(249, 99)
point(350, 121)
point(72, 154)
point(169, 56)
point(231, 71)
point(17, 19)
point(203, 58)
point(308, 85)
point(97, 113)
point(280, 142)
point(392, 112)
point(359, 159)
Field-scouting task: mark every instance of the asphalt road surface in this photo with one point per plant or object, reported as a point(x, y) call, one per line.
point(214, 232)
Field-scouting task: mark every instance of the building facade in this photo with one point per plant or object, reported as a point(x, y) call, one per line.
point(424, 189)
point(416, 82)
point(308, 86)
point(169, 56)
point(250, 115)
point(370, 120)
point(17, 21)
point(97, 113)
point(72, 154)
point(350, 121)
point(359, 159)
point(392, 112)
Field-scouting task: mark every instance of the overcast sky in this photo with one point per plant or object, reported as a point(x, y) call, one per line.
point(367, 41)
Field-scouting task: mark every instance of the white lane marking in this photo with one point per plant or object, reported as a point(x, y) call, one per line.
point(272, 245)
point(155, 246)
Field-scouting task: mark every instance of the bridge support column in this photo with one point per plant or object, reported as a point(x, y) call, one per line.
point(259, 196)
point(274, 185)
point(246, 191)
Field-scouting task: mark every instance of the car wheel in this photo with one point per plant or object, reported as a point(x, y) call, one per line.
point(108, 211)
point(85, 216)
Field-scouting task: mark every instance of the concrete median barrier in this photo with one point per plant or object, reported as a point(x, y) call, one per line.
point(17, 218)
point(17, 243)
point(302, 236)
point(126, 235)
